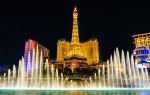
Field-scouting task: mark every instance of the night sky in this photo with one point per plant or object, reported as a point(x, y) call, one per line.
point(112, 22)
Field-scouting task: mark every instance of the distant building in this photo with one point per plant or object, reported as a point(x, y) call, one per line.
point(141, 40)
point(31, 45)
point(142, 47)
point(75, 53)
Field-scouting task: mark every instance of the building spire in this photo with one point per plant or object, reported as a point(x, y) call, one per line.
point(75, 34)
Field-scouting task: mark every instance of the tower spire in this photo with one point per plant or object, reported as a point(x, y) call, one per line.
point(75, 34)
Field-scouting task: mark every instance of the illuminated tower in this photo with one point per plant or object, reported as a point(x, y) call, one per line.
point(74, 51)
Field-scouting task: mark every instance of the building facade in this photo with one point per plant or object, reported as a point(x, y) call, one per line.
point(30, 47)
point(75, 51)
point(141, 40)
point(142, 48)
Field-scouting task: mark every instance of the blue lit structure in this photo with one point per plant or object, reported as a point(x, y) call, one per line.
point(142, 53)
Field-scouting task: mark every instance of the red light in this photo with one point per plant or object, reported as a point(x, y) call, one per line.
point(32, 44)
point(26, 45)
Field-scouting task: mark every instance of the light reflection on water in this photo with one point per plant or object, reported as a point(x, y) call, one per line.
point(74, 92)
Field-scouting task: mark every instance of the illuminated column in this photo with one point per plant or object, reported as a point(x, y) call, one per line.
point(96, 52)
point(59, 51)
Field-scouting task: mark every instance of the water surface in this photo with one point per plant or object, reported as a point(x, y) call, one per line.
point(96, 92)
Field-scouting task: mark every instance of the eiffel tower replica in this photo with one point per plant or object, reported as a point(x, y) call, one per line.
point(75, 54)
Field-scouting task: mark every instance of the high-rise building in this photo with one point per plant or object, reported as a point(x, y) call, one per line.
point(74, 51)
point(30, 47)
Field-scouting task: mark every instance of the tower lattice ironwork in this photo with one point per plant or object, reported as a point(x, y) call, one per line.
point(75, 49)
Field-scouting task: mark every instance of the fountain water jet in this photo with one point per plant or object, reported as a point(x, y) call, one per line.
point(117, 73)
